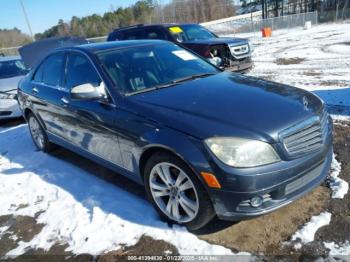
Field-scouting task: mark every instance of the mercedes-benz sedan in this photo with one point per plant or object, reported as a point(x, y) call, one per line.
point(203, 142)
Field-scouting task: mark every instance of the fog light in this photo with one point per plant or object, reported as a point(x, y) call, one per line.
point(256, 201)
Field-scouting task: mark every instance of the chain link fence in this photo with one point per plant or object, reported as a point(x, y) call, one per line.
point(254, 24)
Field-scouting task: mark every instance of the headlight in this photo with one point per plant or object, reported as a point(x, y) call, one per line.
point(239, 152)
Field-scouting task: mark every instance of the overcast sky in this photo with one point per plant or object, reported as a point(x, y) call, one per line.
point(45, 13)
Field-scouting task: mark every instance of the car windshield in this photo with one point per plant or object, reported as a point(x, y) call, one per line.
point(12, 68)
point(145, 68)
point(185, 33)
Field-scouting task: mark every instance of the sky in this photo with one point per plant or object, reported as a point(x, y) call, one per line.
point(43, 14)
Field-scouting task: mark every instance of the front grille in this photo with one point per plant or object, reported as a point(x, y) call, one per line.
point(240, 50)
point(305, 137)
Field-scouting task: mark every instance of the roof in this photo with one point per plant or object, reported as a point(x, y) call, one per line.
point(151, 25)
point(96, 47)
point(9, 58)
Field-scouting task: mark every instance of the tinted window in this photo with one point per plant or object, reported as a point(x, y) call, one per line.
point(52, 69)
point(155, 33)
point(80, 71)
point(132, 35)
point(38, 76)
point(185, 33)
point(138, 68)
point(12, 68)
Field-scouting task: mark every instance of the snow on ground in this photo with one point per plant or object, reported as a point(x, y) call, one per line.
point(339, 189)
point(307, 233)
point(338, 250)
point(78, 208)
point(317, 60)
point(339, 186)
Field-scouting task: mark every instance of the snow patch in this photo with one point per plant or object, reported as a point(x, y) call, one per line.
point(338, 249)
point(307, 233)
point(91, 215)
point(340, 49)
point(3, 230)
point(339, 186)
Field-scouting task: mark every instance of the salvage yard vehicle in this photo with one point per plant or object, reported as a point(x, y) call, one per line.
point(202, 141)
point(12, 71)
point(233, 54)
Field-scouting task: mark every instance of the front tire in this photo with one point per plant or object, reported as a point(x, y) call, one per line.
point(176, 192)
point(38, 134)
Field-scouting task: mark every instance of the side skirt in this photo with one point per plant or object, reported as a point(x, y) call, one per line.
point(119, 170)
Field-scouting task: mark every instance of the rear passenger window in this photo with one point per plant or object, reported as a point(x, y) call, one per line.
point(132, 35)
point(80, 71)
point(51, 70)
point(38, 76)
point(155, 33)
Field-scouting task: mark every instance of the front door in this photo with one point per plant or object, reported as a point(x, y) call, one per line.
point(90, 122)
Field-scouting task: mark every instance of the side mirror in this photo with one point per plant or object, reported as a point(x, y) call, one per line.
point(88, 92)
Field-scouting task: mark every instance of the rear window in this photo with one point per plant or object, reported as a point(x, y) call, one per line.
point(12, 68)
point(133, 35)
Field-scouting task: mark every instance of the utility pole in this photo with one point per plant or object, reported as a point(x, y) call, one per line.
point(27, 20)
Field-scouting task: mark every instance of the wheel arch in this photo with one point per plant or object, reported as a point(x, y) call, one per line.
point(154, 149)
point(150, 150)
point(27, 111)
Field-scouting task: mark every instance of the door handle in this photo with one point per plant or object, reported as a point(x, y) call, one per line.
point(35, 91)
point(64, 101)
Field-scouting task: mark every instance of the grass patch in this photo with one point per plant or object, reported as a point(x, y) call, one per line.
point(289, 61)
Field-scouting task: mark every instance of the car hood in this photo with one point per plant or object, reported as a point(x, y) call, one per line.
point(8, 84)
point(219, 41)
point(228, 104)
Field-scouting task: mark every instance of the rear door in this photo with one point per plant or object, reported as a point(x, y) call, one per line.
point(91, 123)
point(48, 92)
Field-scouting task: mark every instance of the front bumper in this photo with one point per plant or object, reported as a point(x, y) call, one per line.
point(277, 188)
point(9, 108)
point(241, 65)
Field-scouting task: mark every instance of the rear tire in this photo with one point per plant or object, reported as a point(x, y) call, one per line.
point(176, 192)
point(38, 134)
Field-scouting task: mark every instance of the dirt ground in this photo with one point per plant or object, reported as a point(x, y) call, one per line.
point(264, 235)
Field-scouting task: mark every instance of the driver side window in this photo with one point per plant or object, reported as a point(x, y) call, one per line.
point(80, 71)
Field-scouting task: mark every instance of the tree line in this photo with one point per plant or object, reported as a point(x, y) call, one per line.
point(143, 11)
point(12, 37)
point(327, 9)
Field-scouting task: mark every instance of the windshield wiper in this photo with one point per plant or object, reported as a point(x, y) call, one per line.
point(184, 79)
point(171, 83)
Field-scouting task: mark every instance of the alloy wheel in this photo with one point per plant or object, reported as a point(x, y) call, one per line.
point(37, 132)
point(174, 192)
